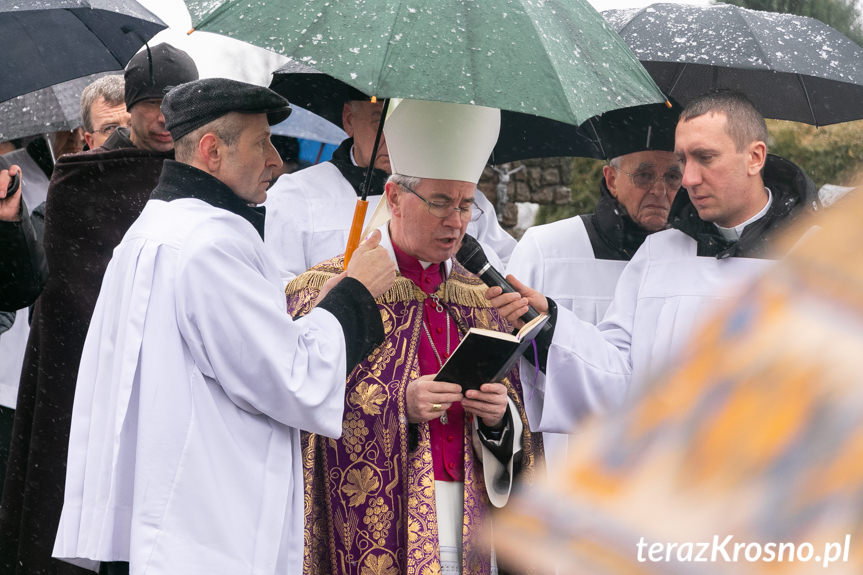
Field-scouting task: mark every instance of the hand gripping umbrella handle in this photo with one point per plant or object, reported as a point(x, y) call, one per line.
point(356, 229)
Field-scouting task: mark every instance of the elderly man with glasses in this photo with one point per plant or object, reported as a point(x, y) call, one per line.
point(406, 488)
point(577, 261)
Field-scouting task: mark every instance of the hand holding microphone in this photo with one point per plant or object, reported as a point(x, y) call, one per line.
point(516, 302)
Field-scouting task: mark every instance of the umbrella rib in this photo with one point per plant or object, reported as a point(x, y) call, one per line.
point(627, 24)
point(677, 79)
point(808, 101)
point(101, 41)
point(545, 52)
point(382, 69)
point(739, 15)
point(597, 138)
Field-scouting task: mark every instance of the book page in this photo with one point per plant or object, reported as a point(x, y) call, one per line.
point(526, 328)
point(493, 333)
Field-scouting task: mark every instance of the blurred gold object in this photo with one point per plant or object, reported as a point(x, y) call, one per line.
point(756, 433)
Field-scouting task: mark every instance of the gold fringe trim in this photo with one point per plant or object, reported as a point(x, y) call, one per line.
point(312, 279)
point(461, 288)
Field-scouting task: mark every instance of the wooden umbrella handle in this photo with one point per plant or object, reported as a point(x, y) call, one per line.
point(356, 229)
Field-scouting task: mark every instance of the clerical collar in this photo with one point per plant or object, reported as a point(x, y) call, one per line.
point(733, 234)
point(179, 180)
point(343, 159)
point(387, 244)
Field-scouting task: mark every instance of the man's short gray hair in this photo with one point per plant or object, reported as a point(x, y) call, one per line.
point(227, 128)
point(408, 181)
point(111, 88)
point(744, 124)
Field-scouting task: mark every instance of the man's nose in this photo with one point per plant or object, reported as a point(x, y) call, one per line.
point(658, 187)
point(274, 159)
point(453, 219)
point(691, 175)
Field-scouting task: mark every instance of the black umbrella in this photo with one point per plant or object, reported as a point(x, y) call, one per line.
point(50, 109)
point(790, 67)
point(45, 43)
point(521, 135)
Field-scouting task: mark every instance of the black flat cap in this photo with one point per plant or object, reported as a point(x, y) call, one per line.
point(153, 71)
point(638, 129)
point(192, 105)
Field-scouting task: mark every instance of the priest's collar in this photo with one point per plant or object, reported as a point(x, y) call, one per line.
point(733, 234)
point(179, 180)
point(387, 244)
point(343, 160)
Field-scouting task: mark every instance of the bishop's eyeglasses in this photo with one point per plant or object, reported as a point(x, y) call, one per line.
point(467, 211)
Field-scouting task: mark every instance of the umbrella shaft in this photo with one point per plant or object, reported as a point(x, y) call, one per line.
point(356, 229)
point(368, 181)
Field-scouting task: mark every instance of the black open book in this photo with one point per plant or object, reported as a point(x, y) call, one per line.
point(485, 355)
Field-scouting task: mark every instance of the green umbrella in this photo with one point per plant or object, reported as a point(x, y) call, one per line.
point(558, 59)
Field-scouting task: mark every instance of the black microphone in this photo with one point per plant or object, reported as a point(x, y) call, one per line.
point(471, 256)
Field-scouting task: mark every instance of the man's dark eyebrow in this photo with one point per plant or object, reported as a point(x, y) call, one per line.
point(703, 151)
point(645, 166)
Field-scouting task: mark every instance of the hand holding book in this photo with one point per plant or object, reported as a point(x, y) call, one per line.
point(485, 356)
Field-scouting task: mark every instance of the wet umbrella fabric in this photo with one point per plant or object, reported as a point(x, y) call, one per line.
point(521, 135)
point(560, 61)
point(47, 110)
point(791, 67)
point(45, 43)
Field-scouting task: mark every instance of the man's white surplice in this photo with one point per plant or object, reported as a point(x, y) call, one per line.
point(184, 453)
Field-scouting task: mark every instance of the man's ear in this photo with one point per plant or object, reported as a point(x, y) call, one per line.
point(757, 157)
point(393, 197)
point(210, 150)
point(610, 175)
point(348, 119)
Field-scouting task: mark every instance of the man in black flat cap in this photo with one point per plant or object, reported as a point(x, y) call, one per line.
point(93, 198)
point(184, 454)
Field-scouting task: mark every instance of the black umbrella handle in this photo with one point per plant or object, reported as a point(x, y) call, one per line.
point(368, 181)
point(14, 185)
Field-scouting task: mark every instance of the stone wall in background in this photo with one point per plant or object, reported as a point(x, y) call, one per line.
point(544, 181)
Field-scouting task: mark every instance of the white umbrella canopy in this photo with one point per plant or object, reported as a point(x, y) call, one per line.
point(306, 125)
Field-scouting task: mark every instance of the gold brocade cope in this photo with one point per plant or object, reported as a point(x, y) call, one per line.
point(369, 497)
point(746, 457)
